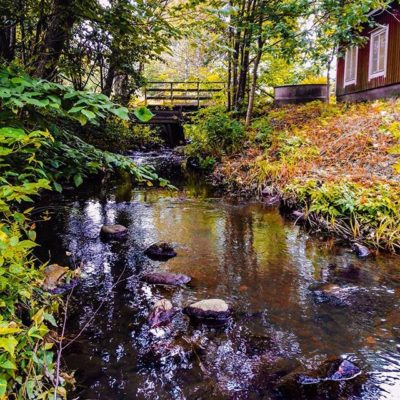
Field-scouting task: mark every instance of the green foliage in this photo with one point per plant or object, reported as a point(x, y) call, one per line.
point(262, 131)
point(143, 114)
point(213, 132)
point(49, 106)
point(89, 43)
point(19, 91)
point(40, 151)
point(362, 213)
point(26, 358)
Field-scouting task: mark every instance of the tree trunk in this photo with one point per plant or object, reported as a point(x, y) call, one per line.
point(252, 93)
point(109, 80)
point(7, 42)
point(237, 40)
point(260, 47)
point(57, 33)
point(245, 54)
point(328, 74)
point(121, 87)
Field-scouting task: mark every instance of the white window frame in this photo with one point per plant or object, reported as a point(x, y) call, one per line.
point(352, 81)
point(377, 32)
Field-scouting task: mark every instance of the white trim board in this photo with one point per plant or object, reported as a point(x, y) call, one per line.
point(353, 81)
point(377, 32)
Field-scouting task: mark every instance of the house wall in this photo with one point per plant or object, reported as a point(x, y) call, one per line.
point(365, 89)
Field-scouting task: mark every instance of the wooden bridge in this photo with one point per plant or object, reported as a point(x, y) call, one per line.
point(182, 94)
point(171, 102)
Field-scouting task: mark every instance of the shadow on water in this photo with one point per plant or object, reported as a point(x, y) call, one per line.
point(244, 253)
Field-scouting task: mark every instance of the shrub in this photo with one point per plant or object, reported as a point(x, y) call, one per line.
point(38, 152)
point(214, 133)
point(26, 358)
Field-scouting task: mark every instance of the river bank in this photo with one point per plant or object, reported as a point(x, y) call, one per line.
point(335, 165)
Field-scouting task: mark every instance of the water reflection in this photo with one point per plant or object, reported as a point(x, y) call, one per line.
point(244, 253)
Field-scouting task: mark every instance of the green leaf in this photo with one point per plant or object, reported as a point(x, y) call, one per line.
point(143, 114)
point(8, 365)
point(38, 103)
point(7, 330)
point(70, 95)
point(30, 386)
point(21, 81)
point(75, 110)
point(48, 317)
point(12, 132)
point(122, 112)
point(3, 386)
point(57, 187)
point(5, 93)
point(81, 118)
point(89, 114)
point(78, 180)
point(8, 344)
point(32, 235)
point(4, 151)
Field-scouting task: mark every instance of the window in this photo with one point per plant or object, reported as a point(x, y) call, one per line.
point(378, 53)
point(350, 66)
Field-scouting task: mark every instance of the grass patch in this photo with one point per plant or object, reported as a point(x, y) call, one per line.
point(339, 162)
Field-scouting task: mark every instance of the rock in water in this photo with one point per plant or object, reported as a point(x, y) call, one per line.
point(347, 370)
point(116, 232)
point(162, 313)
point(333, 294)
point(160, 251)
point(53, 275)
point(360, 250)
point(324, 379)
point(166, 278)
point(211, 309)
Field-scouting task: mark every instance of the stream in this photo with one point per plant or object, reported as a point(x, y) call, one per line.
point(298, 301)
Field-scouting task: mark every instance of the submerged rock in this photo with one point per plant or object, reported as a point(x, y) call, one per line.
point(334, 294)
point(162, 313)
point(166, 278)
point(211, 309)
point(360, 250)
point(54, 274)
point(336, 370)
point(346, 370)
point(322, 382)
point(160, 251)
point(116, 232)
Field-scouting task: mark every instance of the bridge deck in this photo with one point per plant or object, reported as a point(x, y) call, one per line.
point(181, 93)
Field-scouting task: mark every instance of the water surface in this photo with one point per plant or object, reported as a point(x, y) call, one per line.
point(242, 252)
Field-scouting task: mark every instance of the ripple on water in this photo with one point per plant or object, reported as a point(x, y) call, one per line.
point(243, 253)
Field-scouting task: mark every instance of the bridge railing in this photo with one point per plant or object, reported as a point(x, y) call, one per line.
point(181, 93)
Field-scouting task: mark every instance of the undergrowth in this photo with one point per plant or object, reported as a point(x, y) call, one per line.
point(213, 133)
point(340, 163)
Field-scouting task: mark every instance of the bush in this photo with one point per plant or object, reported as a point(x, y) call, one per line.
point(214, 133)
point(39, 151)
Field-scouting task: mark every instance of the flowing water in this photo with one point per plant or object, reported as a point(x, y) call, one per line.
point(242, 252)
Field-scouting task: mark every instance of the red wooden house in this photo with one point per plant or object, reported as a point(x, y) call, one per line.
point(372, 70)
